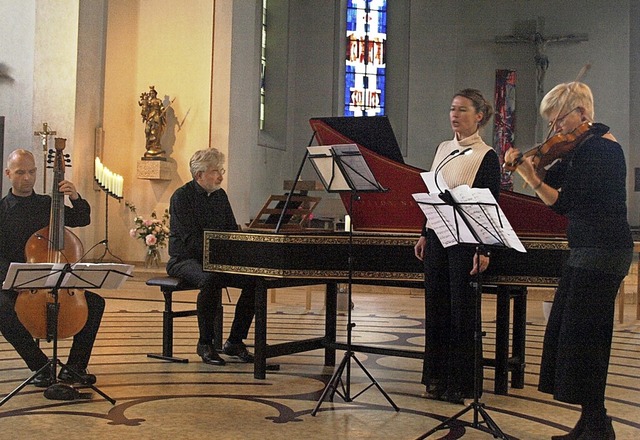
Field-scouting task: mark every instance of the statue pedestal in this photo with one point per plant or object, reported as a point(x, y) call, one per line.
point(154, 170)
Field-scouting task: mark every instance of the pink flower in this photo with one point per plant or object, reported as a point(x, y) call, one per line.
point(133, 233)
point(150, 240)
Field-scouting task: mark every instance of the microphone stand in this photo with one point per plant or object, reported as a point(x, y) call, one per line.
point(107, 193)
point(477, 407)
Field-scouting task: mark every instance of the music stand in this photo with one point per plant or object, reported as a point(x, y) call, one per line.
point(343, 168)
point(466, 216)
point(56, 276)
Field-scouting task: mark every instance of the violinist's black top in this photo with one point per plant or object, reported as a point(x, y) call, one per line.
point(592, 184)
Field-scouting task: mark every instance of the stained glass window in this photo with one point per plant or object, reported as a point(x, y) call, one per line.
point(365, 58)
point(263, 61)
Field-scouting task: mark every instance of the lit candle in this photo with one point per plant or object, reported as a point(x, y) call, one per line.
point(99, 170)
point(120, 186)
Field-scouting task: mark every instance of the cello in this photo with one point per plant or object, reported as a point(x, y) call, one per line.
point(53, 244)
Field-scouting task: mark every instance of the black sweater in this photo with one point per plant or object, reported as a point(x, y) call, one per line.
point(20, 217)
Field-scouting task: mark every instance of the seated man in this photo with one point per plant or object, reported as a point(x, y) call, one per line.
point(198, 205)
point(22, 213)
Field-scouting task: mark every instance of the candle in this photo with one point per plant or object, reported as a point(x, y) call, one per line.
point(347, 223)
point(99, 170)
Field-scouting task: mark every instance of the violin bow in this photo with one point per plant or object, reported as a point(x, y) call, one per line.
point(566, 95)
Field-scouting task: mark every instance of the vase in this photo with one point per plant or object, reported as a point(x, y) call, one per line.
point(152, 258)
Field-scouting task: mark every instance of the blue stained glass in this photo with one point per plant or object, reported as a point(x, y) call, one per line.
point(382, 23)
point(365, 80)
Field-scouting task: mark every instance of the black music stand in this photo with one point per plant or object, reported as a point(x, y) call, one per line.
point(483, 225)
point(343, 168)
point(54, 276)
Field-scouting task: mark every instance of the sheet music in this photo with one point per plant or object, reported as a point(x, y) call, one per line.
point(444, 220)
point(322, 160)
point(429, 179)
point(355, 166)
point(490, 218)
point(105, 275)
point(484, 216)
point(84, 275)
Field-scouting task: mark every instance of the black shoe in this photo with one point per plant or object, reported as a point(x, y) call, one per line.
point(435, 391)
point(42, 380)
point(453, 397)
point(600, 432)
point(209, 355)
point(573, 434)
point(80, 377)
point(238, 350)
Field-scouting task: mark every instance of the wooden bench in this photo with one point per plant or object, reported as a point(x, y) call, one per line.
point(169, 285)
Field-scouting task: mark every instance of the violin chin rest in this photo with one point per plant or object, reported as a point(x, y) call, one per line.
point(61, 391)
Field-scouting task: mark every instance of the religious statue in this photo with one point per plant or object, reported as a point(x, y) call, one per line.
point(154, 116)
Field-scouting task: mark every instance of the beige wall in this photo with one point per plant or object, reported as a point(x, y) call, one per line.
point(154, 43)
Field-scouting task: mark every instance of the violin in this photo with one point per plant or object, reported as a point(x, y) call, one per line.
point(53, 244)
point(554, 148)
point(557, 146)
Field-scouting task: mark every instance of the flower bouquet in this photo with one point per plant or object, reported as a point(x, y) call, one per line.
point(153, 231)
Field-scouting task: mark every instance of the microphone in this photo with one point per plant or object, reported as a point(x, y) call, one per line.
point(455, 153)
point(103, 242)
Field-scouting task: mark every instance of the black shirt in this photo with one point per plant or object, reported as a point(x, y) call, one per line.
point(192, 211)
point(593, 195)
point(20, 217)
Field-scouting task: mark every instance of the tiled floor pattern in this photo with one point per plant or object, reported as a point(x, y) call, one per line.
point(163, 400)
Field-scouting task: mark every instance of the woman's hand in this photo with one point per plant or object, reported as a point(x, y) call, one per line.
point(418, 249)
point(525, 165)
point(484, 263)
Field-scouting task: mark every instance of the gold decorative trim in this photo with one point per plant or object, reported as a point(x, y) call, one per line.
point(314, 273)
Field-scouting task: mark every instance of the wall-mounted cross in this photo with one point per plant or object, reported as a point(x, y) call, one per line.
point(44, 134)
point(535, 37)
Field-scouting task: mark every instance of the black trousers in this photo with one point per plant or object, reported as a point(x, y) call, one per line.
point(449, 317)
point(20, 338)
point(208, 299)
point(577, 340)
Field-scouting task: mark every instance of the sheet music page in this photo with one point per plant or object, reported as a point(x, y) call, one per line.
point(28, 276)
point(100, 275)
point(429, 179)
point(322, 160)
point(444, 220)
point(486, 217)
point(356, 167)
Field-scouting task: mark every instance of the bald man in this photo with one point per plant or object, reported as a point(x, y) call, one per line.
point(22, 213)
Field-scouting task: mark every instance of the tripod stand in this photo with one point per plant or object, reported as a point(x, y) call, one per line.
point(336, 385)
point(107, 193)
point(475, 406)
point(40, 275)
point(343, 168)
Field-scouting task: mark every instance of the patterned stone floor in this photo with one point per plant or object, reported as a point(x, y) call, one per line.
point(163, 400)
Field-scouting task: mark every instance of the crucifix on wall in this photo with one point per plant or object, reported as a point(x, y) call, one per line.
point(534, 36)
point(44, 136)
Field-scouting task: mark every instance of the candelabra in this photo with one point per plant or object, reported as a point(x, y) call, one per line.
point(111, 184)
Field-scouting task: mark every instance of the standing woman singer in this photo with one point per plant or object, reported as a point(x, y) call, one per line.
point(448, 371)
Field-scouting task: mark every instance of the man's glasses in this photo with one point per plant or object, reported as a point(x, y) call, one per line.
point(221, 171)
